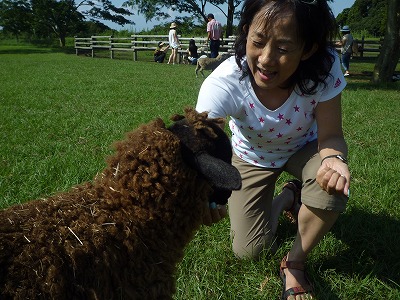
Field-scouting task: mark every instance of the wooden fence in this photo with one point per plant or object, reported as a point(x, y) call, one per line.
point(136, 43)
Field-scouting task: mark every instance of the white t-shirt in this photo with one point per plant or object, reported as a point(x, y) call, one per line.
point(260, 136)
point(173, 39)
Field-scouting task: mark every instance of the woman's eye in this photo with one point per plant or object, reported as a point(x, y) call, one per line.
point(258, 44)
point(282, 50)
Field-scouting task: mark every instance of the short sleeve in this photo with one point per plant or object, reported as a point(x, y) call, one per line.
point(221, 91)
point(335, 81)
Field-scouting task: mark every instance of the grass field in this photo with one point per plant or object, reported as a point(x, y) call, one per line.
point(60, 112)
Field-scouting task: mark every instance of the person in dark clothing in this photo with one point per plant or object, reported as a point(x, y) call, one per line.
point(192, 52)
point(160, 52)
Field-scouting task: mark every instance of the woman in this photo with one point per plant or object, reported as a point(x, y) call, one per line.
point(192, 52)
point(173, 43)
point(282, 95)
point(346, 49)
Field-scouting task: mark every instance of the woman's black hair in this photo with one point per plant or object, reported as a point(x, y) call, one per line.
point(192, 42)
point(315, 25)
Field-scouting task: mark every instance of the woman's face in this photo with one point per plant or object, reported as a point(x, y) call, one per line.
point(273, 51)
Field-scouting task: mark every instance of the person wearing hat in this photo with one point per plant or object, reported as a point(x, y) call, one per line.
point(173, 43)
point(160, 52)
point(214, 34)
point(346, 48)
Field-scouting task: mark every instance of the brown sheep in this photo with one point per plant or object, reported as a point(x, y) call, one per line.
point(122, 235)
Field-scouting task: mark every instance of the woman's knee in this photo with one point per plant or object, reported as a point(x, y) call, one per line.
point(245, 249)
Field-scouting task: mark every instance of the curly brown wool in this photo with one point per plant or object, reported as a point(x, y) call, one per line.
point(119, 236)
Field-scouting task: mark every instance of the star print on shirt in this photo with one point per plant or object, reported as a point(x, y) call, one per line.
point(337, 83)
point(281, 117)
point(296, 108)
point(251, 105)
point(261, 120)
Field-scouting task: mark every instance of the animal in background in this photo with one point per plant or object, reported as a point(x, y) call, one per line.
point(207, 63)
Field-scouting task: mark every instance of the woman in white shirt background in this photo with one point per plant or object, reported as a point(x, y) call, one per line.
point(173, 43)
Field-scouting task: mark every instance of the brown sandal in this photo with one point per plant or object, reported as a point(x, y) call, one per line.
point(298, 290)
point(295, 186)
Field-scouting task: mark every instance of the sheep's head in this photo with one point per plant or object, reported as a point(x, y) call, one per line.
point(206, 147)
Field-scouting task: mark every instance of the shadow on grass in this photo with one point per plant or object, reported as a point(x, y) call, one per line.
point(35, 50)
point(363, 80)
point(372, 251)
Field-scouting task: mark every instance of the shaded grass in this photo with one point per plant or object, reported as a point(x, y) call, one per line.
point(59, 113)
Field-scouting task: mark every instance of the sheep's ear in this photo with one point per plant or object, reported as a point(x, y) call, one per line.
point(219, 173)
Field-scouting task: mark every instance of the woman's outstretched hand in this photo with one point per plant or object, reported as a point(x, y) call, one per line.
point(334, 177)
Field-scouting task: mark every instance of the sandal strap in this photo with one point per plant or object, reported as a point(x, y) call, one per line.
point(295, 186)
point(298, 265)
point(298, 290)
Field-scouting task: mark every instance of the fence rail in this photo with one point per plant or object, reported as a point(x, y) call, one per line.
point(136, 43)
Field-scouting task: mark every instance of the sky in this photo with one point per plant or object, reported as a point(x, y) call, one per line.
point(337, 7)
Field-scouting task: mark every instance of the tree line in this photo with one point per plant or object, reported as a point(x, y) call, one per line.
point(62, 18)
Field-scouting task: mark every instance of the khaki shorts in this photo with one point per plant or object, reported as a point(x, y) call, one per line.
point(250, 207)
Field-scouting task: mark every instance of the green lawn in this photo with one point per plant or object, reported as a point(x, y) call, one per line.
point(59, 114)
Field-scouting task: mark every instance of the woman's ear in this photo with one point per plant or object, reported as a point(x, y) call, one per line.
point(309, 53)
point(245, 28)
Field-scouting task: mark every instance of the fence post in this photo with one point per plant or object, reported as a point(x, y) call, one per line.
point(111, 46)
point(135, 57)
point(92, 42)
point(362, 47)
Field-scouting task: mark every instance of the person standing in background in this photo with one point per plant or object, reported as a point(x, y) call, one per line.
point(214, 34)
point(173, 43)
point(346, 48)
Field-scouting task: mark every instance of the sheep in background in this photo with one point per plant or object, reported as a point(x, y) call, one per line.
point(207, 63)
point(122, 235)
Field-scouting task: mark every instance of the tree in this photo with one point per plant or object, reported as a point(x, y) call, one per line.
point(230, 15)
point(100, 10)
point(389, 54)
point(155, 9)
point(365, 16)
point(15, 17)
point(59, 17)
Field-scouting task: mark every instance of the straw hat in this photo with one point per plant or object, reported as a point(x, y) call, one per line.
point(173, 25)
